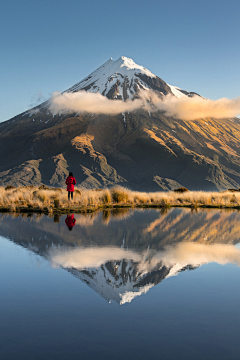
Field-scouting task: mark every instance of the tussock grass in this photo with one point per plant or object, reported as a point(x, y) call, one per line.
point(45, 199)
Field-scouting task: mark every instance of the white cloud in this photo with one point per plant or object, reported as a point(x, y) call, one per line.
point(184, 108)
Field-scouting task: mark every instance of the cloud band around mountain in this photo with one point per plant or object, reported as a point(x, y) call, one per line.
point(92, 103)
point(185, 108)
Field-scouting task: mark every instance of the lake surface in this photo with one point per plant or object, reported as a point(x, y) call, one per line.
point(132, 284)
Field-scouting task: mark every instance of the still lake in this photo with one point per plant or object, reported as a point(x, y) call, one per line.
point(133, 284)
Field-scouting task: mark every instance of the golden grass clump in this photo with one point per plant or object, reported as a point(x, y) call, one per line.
point(119, 195)
point(106, 197)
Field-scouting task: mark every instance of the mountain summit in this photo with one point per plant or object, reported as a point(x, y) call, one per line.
point(139, 149)
point(122, 79)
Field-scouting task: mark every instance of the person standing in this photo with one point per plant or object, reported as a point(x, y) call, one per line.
point(70, 182)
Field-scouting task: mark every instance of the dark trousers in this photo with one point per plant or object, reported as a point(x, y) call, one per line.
point(70, 194)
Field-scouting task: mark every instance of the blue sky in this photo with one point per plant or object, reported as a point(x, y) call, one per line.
point(50, 45)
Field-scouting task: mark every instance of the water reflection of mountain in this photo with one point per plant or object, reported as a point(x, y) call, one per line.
point(122, 254)
point(120, 280)
point(121, 274)
point(139, 228)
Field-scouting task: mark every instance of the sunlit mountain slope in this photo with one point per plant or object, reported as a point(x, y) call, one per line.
point(140, 150)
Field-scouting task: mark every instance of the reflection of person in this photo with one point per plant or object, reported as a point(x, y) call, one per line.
point(70, 182)
point(70, 221)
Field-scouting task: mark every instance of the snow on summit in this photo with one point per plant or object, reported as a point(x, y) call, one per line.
point(115, 79)
point(122, 79)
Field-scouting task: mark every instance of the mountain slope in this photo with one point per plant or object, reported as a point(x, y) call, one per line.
point(141, 150)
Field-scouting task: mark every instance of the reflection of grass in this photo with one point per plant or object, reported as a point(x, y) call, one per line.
point(116, 214)
point(55, 200)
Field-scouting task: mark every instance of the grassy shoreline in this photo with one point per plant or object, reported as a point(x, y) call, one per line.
point(30, 199)
point(85, 210)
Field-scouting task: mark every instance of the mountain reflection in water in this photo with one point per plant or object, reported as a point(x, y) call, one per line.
point(121, 254)
point(121, 275)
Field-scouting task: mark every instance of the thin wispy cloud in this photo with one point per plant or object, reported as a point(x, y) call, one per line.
point(36, 99)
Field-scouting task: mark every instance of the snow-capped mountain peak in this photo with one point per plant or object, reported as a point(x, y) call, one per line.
point(126, 64)
point(123, 79)
point(119, 79)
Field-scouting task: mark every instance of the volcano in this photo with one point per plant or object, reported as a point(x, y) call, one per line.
point(122, 79)
point(140, 150)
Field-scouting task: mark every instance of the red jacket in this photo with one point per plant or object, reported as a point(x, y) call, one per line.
point(70, 221)
point(70, 182)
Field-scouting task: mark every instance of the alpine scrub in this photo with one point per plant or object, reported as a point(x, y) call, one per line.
point(43, 199)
